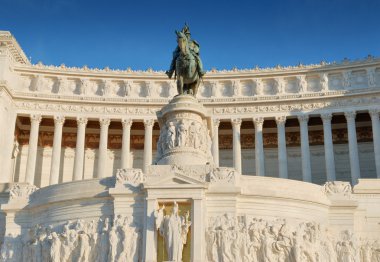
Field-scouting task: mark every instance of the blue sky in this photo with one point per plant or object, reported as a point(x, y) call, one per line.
point(243, 34)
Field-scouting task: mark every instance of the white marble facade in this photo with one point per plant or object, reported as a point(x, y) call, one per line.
point(246, 204)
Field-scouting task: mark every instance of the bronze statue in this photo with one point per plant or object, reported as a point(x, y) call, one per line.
point(186, 63)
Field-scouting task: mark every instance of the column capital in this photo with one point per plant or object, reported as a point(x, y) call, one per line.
point(280, 120)
point(326, 117)
point(258, 121)
point(374, 112)
point(303, 118)
point(104, 122)
point(35, 118)
point(236, 122)
point(59, 120)
point(216, 122)
point(126, 122)
point(82, 120)
point(148, 122)
point(350, 115)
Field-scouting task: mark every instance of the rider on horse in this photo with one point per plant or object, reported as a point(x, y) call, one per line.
point(194, 49)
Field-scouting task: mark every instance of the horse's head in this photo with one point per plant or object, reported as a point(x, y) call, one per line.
point(182, 42)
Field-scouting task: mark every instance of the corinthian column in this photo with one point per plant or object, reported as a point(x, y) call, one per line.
point(126, 143)
point(236, 123)
point(35, 121)
point(282, 157)
point(148, 123)
point(305, 150)
point(376, 138)
point(215, 142)
point(79, 150)
point(259, 147)
point(102, 160)
point(329, 148)
point(353, 146)
point(57, 145)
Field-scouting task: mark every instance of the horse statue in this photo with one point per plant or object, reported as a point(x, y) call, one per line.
point(186, 63)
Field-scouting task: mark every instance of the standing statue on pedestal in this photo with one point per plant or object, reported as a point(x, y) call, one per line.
point(186, 63)
point(174, 229)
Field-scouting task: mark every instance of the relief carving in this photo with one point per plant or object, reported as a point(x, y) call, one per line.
point(239, 238)
point(76, 241)
point(130, 176)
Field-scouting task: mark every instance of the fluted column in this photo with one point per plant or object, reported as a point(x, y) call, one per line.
point(376, 138)
point(57, 145)
point(102, 160)
point(35, 121)
point(79, 150)
point(259, 147)
point(236, 123)
point(215, 142)
point(126, 143)
point(148, 123)
point(305, 150)
point(281, 142)
point(353, 146)
point(329, 147)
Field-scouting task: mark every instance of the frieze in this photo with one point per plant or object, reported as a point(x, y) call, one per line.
point(244, 238)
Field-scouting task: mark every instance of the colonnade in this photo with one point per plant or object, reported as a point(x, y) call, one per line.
point(80, 147)
point(305, 150)
point(237, 155)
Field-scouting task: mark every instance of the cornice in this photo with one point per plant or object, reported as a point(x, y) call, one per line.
point(14, 48)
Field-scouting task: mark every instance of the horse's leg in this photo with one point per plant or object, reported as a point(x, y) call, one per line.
point(180, 85)
point(196, 86)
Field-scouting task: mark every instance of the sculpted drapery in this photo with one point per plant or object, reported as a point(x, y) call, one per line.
point(174, 229)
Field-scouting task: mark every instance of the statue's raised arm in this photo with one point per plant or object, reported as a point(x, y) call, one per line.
point(186, 63)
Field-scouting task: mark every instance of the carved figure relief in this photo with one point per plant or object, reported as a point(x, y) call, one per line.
point(302, 84)
point(77, 241)
point(259, 87)
point(346, 78)
point(230, 238)
point(324, 82)
point(236, 88)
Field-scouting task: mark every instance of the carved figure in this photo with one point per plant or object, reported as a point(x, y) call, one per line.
point(127, 88)
point(193, 135)
point(346, 79)
point(55, 251)
point(324, 82)
point(171, 135)
point(181, 134)
point(371, 73)
point(236, 88)
point(174, 229)
point(113, 243)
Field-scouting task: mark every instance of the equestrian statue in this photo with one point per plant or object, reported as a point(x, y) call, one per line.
point(186, 63)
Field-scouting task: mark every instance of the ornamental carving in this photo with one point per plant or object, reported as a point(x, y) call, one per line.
point(338, 188)
point(21, 191)
point(223, 175)
point(129, 176)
